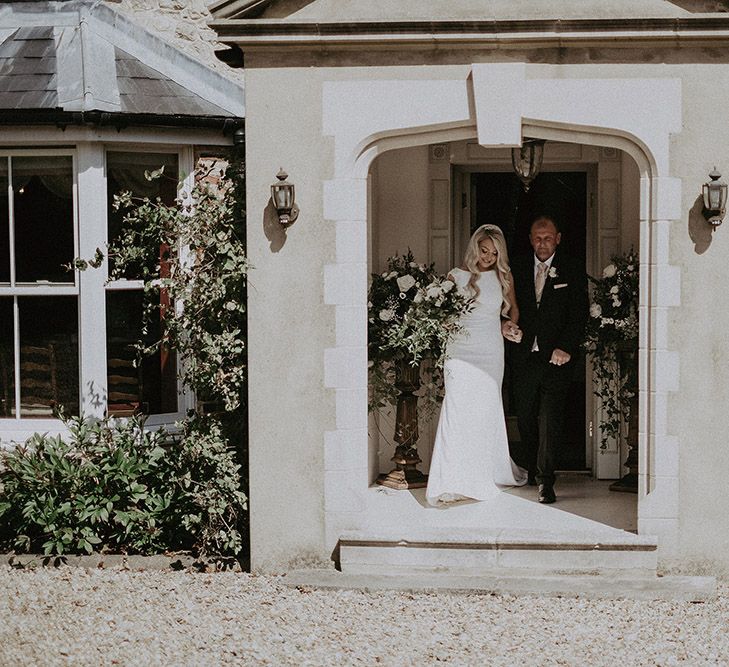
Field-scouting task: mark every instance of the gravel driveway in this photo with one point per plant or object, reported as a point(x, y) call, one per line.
point(71, 616)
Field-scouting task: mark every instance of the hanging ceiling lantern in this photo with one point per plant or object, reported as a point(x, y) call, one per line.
point(527, 160)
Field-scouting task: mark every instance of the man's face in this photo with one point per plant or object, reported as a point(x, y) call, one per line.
point(544, 238)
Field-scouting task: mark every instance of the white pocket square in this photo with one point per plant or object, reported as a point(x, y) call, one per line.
point(560, 286)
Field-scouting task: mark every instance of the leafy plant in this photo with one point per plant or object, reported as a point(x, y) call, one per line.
point(412, 314)
point(114, 485)
point(612, 341)
point(192, 254)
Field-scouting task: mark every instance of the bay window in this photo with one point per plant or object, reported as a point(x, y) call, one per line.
point(39, 368)
point(51, 353)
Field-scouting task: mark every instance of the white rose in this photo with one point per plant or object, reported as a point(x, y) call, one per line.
point(418, 297)
point(552, 272)
point(369, 304)
point(631, 267)
point(609, 271)
point(433, 291)
point(595, 310)
point(413, 265)
point(617, 303)
point(391, 275)
point(448, 285)
point(614, 289)
point(386, 315)
point(405, 282)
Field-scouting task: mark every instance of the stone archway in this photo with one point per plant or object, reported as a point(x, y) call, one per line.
point(598, 112)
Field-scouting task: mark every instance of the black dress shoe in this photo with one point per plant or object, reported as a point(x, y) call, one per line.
point(546, 494)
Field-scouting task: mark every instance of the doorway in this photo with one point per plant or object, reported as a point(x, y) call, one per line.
point(498, 198)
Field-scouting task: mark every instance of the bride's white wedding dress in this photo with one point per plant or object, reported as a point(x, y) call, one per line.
point(471, 452)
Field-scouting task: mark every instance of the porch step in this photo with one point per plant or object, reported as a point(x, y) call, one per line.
point(487, 552)
point(604, 586)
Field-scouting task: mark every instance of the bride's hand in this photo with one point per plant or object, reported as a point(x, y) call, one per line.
point(511, 331)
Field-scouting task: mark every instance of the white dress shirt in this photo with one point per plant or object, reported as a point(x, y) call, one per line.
point(537, 262)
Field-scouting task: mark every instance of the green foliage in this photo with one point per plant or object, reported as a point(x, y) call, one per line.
point(612, 341)
point(413, 314)
point(112, 485)
point(193, 253)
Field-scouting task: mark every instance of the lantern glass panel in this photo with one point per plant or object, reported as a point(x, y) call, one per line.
point(714, 197)
point(283, 196)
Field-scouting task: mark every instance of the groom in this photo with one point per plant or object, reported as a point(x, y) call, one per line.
point(551, 291)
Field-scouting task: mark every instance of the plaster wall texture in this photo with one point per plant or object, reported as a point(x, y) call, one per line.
point(287, 427)
point(401, 194)
point(289, 325)
point(697, 412)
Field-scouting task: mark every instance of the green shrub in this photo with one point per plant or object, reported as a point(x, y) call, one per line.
point(115, 486)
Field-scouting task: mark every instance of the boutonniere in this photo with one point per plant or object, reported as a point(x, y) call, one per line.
point(552, 272)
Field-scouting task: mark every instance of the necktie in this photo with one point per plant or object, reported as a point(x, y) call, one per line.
point(540, 280)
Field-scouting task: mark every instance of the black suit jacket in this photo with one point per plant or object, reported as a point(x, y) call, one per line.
point(559, 321)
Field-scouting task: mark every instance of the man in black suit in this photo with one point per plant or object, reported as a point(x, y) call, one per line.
point(551, 292)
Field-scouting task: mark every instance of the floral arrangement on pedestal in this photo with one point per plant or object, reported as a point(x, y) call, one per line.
point(612, 341)
point(412, 314)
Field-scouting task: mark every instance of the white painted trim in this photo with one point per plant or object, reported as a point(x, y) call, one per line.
point(43, 135)
point(92, 299)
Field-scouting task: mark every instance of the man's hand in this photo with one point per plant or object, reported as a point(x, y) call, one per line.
point(559, 357)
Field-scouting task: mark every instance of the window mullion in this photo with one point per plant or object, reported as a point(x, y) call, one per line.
point(11, 222)
point(92, 223)
point(16, 354)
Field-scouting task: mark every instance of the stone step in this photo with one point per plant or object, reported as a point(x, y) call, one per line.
point(489, 552)
point(604, 586)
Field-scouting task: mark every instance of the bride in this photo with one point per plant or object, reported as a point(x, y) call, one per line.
point(471, 452)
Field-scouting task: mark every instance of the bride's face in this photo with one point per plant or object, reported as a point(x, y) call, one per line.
point(487, 255)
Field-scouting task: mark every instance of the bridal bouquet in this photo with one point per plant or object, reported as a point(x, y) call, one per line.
point(612, 340)
point(412, 314)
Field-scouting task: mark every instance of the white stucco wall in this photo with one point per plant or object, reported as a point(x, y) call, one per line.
point(298, 303)
point(687, 368)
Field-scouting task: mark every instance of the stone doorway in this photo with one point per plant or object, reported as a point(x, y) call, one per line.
point(604, 114)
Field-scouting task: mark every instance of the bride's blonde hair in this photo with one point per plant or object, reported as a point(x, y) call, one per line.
point(503, 272)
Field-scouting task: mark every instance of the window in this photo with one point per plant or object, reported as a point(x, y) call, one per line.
point(148, 385)
point(39, 369)
point(52, 346)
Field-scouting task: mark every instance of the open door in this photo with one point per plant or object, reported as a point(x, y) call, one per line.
point(498, 198)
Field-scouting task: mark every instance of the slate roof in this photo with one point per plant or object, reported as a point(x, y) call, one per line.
point(82, 57)
point(143, 90)
point(28, 70)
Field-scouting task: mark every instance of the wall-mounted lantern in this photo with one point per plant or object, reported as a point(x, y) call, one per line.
point(714, 192)
point(284, 199)
point(527, 161)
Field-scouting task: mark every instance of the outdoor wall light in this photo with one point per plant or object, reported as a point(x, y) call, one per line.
point(714, 192)
point(527, 161)
point(284, 199)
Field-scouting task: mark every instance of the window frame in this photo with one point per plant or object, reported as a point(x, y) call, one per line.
point(184, 174)
point(90, 231)
point(40, 288)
